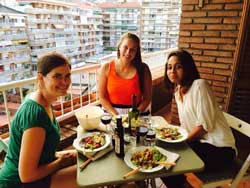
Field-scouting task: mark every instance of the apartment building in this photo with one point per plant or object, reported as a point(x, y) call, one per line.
point(85, 32)
point(58, 26)
point(155, 21)
point(159, 24)
point(119, 18)
point(91, 14)
point(15, 59)
point(50, 27)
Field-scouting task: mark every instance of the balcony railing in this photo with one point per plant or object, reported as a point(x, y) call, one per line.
point(81, 92)
point(14, 93)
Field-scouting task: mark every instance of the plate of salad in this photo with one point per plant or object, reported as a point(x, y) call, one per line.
point(92, 142)
point(146, 158)
point(171, 134)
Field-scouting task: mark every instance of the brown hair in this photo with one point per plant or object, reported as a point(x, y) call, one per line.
point(50, 61)
point(137, 61)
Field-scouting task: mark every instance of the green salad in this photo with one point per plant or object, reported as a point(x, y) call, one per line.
point(147, 158)
point(169, 133)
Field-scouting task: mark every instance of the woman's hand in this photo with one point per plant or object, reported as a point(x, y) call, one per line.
point(66, 157)
point(60, 153)
point(32, 144)
point(197, 133)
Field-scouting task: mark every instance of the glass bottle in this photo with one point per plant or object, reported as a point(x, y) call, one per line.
point(133, 116)
point(119, 137)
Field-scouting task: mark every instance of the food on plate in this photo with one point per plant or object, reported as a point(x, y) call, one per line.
point(169, 133)
point(94, 141)
point(147, 158)
point(124, 120)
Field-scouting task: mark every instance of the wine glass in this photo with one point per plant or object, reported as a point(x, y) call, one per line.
point(106, 119)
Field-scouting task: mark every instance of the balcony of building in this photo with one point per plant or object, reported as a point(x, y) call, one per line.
point(219, 42)
point(81, 93)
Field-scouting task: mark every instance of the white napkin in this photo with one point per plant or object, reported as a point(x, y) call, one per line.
point(98, 154)
point(172, 157)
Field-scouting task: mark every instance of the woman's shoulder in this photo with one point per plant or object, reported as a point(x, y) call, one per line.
point(201, 85)
point(145, 67)
point(29, 114)
point(107, 66)
point(200, 82)
point(29, 106)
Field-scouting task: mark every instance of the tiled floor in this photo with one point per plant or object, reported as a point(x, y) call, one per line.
point(196, 183)
point(159, 183)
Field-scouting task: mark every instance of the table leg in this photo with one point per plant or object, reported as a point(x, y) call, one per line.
point(152, 183)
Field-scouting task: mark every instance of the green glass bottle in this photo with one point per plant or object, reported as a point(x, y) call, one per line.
point(133, 116)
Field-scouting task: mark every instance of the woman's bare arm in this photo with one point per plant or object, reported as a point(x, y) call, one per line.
point(196, 133)
point(102, 86)
point(31, 148)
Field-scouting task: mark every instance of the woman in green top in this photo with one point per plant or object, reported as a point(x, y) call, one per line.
point(32, 160)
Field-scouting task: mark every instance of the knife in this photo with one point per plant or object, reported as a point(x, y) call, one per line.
point(85, 163)
point(132, 172)
point(97, 155)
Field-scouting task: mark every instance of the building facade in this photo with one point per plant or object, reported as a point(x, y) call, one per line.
point(15, 54)
point(85, 32)
point(119, 18)
point(159, 28)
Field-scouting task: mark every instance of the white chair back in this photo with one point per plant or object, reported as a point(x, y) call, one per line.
point(239, 170)
point(243, 128)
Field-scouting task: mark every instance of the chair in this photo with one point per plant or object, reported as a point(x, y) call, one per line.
point(3, 151)
point(233, 174)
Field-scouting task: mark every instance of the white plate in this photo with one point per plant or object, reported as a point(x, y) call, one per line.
point(171, 157)
point(83, 150)
point(181, 130)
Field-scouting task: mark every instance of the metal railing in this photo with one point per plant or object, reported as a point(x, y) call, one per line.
point(83, 90)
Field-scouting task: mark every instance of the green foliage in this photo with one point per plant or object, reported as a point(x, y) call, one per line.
point(67, 97)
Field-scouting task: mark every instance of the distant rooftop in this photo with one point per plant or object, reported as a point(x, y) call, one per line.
point(5, 9)
point(120, 5)
point(88, 5)
point(54, 2)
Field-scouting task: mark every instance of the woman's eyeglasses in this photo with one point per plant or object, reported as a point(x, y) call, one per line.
point(59, 77)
